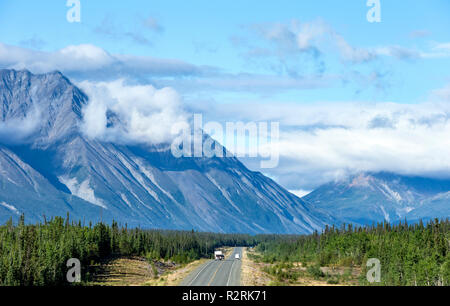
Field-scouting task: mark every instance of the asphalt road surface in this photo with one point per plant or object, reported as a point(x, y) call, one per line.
point(225, 272)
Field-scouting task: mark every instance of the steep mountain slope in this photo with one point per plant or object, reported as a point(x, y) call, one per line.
point(23, 189)
point(374, 197)
point(51, 169)
point(437, 206)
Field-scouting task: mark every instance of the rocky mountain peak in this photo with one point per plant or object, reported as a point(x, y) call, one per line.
point(59, 170)
point(48, 104)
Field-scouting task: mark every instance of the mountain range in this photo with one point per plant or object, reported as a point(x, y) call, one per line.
point(48, 167)
point(367, 198)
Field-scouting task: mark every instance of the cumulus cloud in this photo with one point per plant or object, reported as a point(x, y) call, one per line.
point(86, 61)
point(319, 143)
point(124, 113)
point(415, 145)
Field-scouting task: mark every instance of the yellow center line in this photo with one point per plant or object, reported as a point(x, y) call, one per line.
point(215, 273)
point(206, 265)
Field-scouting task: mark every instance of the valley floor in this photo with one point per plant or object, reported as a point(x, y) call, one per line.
point(137, 271)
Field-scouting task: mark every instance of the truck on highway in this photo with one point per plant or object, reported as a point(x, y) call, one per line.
point(237, 256)
point(218, 255)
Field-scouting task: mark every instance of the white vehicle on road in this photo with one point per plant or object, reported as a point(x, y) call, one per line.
point(218, 255)
point(237, 256)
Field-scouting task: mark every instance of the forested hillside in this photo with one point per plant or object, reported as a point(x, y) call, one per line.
point(36, 255)
point(409, 254)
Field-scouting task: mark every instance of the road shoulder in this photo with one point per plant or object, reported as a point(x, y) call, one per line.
point(177, 276)
point(252, 274)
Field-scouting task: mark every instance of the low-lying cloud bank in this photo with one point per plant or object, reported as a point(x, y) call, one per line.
point(90, 62)
point(318, 142)
point(322, 142)
point(18, 131)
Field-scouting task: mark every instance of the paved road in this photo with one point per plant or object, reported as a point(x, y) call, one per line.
point(217, 273)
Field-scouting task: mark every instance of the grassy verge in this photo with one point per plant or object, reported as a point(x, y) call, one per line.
point(173, 277)
point(252, 271)
point(259, 273)
point(137, 271)
point(122, 271)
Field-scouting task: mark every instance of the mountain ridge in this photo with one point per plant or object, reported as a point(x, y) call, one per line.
point(141, 185)
point(370, 197)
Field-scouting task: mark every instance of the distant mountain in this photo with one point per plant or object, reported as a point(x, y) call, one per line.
point(49, 168)
point(374, 197)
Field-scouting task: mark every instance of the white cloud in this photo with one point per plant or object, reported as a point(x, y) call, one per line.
point(442, 94)
point(17, 130)
point(125, 113)
point(443, 46)
point(411, 147)
point(437, 50)
point(318, 37)
point(90, 56)
point(352, 54)
point(314, 37)
point(321, 142)
point(70, 58)
point(90, 61)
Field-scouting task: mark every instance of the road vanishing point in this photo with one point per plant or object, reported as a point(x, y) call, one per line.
point(225, 272)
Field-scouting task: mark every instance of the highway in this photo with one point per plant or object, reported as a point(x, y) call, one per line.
point(225, 272)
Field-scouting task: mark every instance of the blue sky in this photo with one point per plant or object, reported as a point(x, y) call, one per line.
point(202, 33)
point(274, 54)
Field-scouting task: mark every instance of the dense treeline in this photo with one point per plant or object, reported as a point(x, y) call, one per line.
point(33, 255)
point(415, 254)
